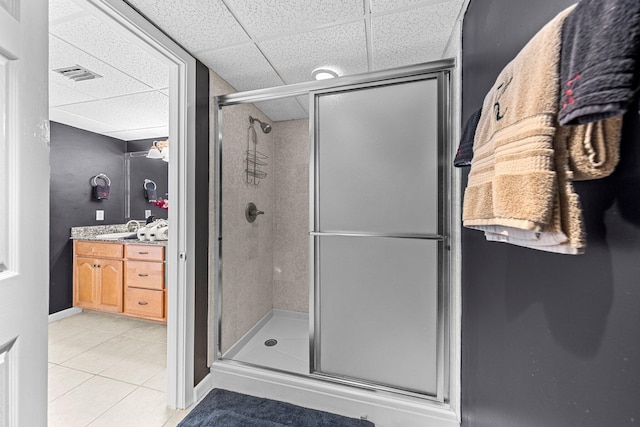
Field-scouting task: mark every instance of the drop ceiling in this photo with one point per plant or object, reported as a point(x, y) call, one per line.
point(251, 44)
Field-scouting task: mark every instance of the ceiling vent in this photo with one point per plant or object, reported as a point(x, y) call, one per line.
point(77, 73)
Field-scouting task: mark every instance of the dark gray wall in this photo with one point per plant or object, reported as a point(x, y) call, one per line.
point(550, 340)
point(201, 368)
point(76, 156)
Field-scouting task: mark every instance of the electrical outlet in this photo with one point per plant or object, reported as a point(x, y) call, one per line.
point(99, 215)
point(147, 213)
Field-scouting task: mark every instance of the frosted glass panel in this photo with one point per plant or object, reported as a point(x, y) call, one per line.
point(378, 310)
point(378, 159)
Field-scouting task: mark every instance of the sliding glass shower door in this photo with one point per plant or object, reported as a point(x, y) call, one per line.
point(379, 234)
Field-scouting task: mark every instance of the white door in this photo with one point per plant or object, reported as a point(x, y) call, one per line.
point(24, 212)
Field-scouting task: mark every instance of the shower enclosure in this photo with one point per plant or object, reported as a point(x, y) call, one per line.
point(344, 276)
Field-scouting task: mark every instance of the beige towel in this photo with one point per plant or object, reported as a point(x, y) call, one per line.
point(519, 178)
point(565, 232)
point(582, 152)
point(594, 148)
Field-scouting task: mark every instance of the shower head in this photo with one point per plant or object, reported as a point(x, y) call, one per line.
point(266, 128)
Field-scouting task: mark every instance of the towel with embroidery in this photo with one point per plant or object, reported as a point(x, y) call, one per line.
point(599, 60)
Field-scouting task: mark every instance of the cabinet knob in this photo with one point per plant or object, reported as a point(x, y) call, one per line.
point(142, 303)
point(143, 253)
point(142, 275)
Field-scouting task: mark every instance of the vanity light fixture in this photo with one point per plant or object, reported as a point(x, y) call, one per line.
point(324, 73)
point(159, 150)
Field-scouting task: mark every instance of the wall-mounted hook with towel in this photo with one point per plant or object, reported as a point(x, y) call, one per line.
point(150, 190)
point(100, 191)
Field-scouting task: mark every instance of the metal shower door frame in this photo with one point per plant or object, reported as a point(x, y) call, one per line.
point(444, 121)
point(442, 70)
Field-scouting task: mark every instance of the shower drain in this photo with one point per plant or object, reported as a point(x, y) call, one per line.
point(270, 342)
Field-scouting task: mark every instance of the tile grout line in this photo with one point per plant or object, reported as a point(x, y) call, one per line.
point(108, 409)
point(70, 390)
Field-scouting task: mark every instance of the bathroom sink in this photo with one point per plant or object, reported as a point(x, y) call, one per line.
point(118, 236)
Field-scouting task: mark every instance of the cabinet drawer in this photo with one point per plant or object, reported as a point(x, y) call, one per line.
point(144, 252)
point(98, 249)
point(144, 274)
point(144, 303)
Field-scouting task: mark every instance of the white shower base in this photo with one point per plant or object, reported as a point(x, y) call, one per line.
point(294, 385)
point(290, 354)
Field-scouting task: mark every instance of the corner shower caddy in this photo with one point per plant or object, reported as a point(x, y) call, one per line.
point(254, 159)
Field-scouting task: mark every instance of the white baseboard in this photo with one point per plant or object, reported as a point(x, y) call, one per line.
point(64, 313)
point(203, 388)
point(384, 410)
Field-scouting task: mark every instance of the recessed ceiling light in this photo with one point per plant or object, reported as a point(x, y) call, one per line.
point(323, 74)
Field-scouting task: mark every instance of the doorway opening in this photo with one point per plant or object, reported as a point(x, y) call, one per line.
point(145, 83)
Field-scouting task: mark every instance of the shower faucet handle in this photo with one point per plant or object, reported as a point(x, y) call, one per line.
point(251, 212)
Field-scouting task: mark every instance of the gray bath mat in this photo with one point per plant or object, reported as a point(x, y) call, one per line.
point(222, 408)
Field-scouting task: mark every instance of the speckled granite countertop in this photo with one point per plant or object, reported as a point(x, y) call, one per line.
point(90, 232)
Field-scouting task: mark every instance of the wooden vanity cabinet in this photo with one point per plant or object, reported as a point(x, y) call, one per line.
point(97, 278)
point(120, 278)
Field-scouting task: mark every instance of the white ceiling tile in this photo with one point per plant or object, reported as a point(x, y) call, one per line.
point(142, 110)
point(60, 9)
point(79, 121)
point(385, 5)
point(61, 95)
point(195, 24)
point(99, 40)
point(136, 134)
point(112, 83)
point(243, 67)
point(411, 37)
point(282, 109)
point(271, 17)
point(342, 47)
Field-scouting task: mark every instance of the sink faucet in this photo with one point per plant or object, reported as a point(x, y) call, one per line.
point(133, 225)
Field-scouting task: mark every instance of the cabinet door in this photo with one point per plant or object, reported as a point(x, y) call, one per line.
point(84, 283)
point(109, 287)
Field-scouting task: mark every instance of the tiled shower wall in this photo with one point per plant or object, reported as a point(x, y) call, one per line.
point(247, 255)
point(291, 220)
point(265, 263)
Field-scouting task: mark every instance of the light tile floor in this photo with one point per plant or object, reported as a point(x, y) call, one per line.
point(108, 370)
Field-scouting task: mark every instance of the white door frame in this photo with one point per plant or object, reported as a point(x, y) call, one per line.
point(181, 246)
